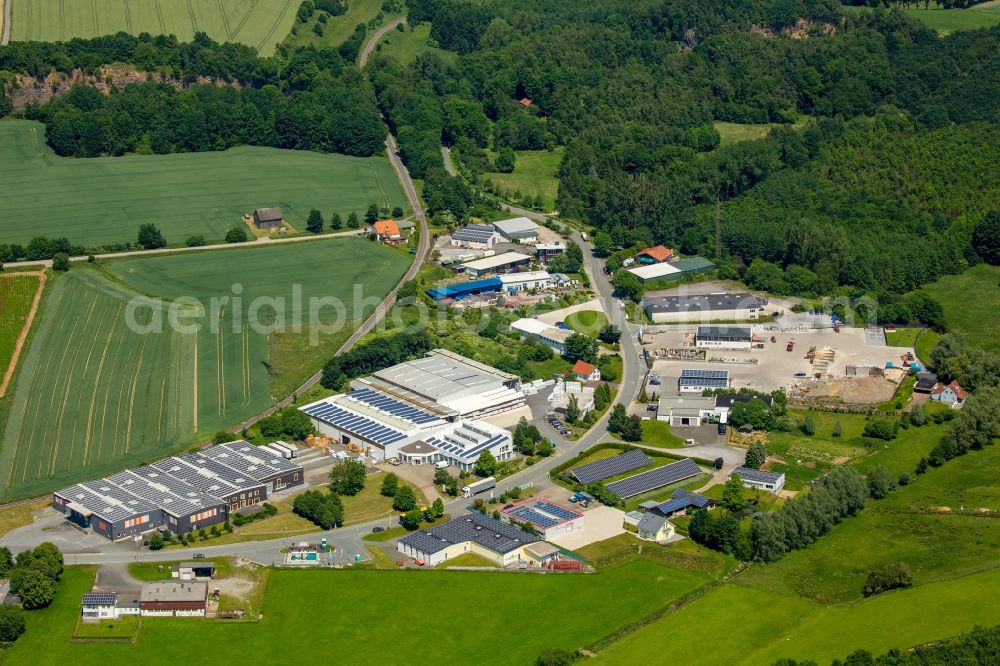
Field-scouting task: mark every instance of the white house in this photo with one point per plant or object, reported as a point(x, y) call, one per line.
point(951, 394)
point(652, 527)
point(97, 606)
point(757, 478)
point(586, 372)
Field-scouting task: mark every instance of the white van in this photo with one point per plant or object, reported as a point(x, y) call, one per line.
point(442, 464)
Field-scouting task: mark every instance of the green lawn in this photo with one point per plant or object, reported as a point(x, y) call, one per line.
point(535, 174)
point(977, 285)
point(337, 28)
point(588, 322)
point(406, 46)
point(300, 606)
point(17, 293)
point(921, 340)
point(258, 24)
point(731, 133)
point(950, 20)
point(657, 433)
point(105, 199)
point(96, 394)
point(468, 560)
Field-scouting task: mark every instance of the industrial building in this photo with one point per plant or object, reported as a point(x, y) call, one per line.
point(695, 410)
point(547, 517)
point(466, 289)
point(723, 337)
point(173, 599)
point(772, 482)
point(541, 332)
point(507, 262)
point(485, 536)
point(737, 306)
point(168, 494)
point(545, 251)
point(515, 282)
point(517, 230)
point(696, 381)
point(475, 236)
point(671, 271)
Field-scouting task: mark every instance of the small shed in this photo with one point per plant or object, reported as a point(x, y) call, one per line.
point(268, 218)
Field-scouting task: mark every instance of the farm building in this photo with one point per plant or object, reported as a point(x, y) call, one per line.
point(166, 598)
point(515, 282)
point(951, 394)
point(517, 230)
point(541, 332)
point(586, 372)
point(466, 289)
point(653, 527)
point(549, 518)
point(166, 494)
point(508, 262)
point(723, 337)
point(268, 218)
point(757, 478)
point(680, 501)
point(387, 232)
point(473, 533)
point(671, 271)
point(696, 381)
point(653, 255)
point(708, 307)
point(475, 236)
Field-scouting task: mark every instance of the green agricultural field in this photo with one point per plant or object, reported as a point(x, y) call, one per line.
point(17, 292)
point(406, 46)
point(536, 173)
point(971, 302)
point(105, 199)
point(949, 20)
point(301, 606)
point(761, 627)
point(588, 322)
point(95, 394)
point(261, 25)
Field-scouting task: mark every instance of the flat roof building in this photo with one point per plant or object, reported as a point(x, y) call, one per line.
point(180, 599)
point(497, 541)
point(547, 517)
point(723, 337)
point(506, 262)
point(475, 236)
point(514, 282)
point(466, 289)
point(517, 229)
point(772, 482)
point(541, 332)
point(707, 307)
point(693, 380)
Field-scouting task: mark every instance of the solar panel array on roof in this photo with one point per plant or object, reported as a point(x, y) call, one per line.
point(362, 426)
point(706, 374)
point(556, 510)
point(485, 530)
point(205, 482)
point(471, 448)
point(100, 598)
point(474, 233)
point(605, 469)
point(525, 513)
point(654, 478)
point(393, 406)
point(111, 502)
point(256, 455)
point(218, 470)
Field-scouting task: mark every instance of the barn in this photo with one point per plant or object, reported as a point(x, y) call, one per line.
point(268, 218)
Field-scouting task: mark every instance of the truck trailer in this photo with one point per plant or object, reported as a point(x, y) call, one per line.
point(489, 483)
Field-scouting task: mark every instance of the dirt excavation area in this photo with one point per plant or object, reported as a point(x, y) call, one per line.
point(851, 390)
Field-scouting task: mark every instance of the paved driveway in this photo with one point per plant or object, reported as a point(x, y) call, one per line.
point(600, 523)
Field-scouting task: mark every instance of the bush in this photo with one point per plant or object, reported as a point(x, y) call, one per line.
point(892, 577)
point(236, 235)
point(881, 428)
point(60, 262)
point(195, 241)
point(11, 624)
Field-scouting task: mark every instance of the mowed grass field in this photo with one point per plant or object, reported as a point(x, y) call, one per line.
point(17, 292)
point(261, 24)
point(302, 606)
point(809, 604)
point(971, 302)
point(105, 199)
point(536, 173)
point(96, 393)
point(407, 45)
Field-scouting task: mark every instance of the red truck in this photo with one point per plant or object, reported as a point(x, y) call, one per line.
point(790, 346)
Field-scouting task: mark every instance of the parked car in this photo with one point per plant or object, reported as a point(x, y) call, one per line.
point(801, 374)
point(199, 556)
point(722, 428)
point(377, 529)
point(651, 407)
point(394, 461)
point(565, 432)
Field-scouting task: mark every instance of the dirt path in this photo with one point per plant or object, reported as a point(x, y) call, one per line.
point(5, 30)
point(24, 333)
point(369, 46)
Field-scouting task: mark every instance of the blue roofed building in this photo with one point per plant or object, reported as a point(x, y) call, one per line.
point(466, 289)
point(680, 501)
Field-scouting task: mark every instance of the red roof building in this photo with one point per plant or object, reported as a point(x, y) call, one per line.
point(952, 394)
point(654, 255)
point(525, 101)
point(586, 372)
point(387, 231)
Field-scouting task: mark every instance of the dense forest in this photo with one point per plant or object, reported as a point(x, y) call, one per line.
point(894, 124)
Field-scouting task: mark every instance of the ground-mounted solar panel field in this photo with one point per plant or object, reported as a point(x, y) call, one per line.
point(104, 200)
point(95, 394)
point(605, 469)
point(261, 24)
point(637, 484)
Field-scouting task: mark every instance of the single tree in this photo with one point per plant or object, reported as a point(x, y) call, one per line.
point(404, 499)
point(60, 262)
point(732, 494)
point(371, 215)
point(352, 221)
point(397, 212)
point(347, 477)
point(156, 542)
point(314, 223)
point(35, 589)
point(505, 160)
point(336, 222)
point(411, 519)
point(150, 237)
point(610, 334)
point(437, 508)
point(632, 432)
point(881, 482)
point(390, 484)
point(756, 455)
point(486, 465)
point(580, 347)
point(808, 426)
point(221, 437)
point(572, 409)
point(837, 429)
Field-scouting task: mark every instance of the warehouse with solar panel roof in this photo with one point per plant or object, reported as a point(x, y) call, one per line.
point(424, 411)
